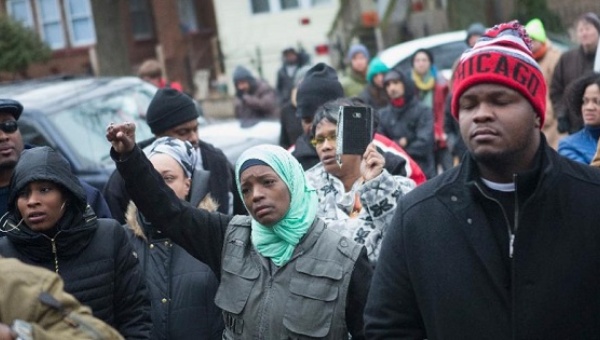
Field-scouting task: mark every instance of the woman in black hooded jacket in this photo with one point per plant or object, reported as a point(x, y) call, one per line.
point(50, 224)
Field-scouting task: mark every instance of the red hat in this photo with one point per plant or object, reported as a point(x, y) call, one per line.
point(502, 56)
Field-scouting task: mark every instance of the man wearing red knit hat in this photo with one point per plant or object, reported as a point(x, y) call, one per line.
point(506, 245)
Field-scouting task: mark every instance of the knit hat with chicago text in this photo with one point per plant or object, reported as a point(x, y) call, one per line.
point(502, 56)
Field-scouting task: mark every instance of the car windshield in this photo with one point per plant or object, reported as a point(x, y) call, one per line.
point(84, 125)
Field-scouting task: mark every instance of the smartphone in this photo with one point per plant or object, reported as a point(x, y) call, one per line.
point(354, 130)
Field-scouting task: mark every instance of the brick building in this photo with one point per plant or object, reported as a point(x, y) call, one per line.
point(182, 34)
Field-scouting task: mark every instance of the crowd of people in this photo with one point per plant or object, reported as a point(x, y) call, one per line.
point(470, 214)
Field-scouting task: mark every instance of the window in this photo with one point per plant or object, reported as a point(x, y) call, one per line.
point(20, 10)
point(51, 29)
point(141, 19)
point(260, 6)
point(187, 16)
point(274, 6)
point(288, 4)
point(81, 22)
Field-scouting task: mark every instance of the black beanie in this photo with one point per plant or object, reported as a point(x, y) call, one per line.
point(320, 85)
point(168, 109)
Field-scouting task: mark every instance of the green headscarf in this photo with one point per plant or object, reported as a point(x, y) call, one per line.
point(279, 241)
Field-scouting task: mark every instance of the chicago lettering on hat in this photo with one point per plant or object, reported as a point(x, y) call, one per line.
point(502, 56)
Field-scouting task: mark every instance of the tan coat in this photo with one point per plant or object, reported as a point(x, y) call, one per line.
point(596, 160)
point(60, 316)
point(547, 64)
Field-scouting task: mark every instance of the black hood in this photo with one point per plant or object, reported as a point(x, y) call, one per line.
point(45, 164)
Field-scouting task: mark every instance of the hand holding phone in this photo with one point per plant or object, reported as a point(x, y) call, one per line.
point(372, 163)
point(354, 130)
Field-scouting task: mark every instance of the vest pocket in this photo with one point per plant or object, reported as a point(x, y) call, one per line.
point(314, 290)
point(237, 281)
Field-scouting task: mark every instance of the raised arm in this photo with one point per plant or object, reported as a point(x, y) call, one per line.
point(198, 231)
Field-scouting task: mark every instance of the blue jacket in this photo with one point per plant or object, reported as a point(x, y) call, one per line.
point(580, 146)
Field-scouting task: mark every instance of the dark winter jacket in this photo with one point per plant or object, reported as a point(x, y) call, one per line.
point(571, 65)
point(182, 289)
point(305, 153)
point(93, 256)
point(221, 184)
point(452, 129)
point(442, 274)
point(414, 121)
point(374, 96)
point(203, 234)
point(259, 104)
point(285, 83)
point(291, 126)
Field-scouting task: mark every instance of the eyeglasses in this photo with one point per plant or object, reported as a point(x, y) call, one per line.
point(320, 140)
point(9, 126)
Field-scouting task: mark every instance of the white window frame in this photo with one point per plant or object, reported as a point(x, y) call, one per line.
point(71, 17)
point(43, 22)
point(29, 20)
point(144, 10)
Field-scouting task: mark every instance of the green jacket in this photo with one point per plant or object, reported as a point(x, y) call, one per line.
point(36, 296)
point(353, 84)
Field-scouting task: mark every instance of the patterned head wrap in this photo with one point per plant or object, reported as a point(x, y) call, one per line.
point(182, 151)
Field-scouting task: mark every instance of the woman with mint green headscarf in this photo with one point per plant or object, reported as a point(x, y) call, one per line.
point(283, 274)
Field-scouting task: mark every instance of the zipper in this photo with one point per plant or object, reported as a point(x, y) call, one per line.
point(516, 226)
point(54, 250)
point(511, 235)
point(265, 309)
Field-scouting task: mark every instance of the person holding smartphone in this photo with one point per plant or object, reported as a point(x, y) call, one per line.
point(357, 197)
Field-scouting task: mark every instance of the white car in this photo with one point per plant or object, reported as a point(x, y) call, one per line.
point(233, 139)
point(445, 48)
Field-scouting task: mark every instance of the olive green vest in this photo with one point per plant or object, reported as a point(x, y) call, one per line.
point(305, 298)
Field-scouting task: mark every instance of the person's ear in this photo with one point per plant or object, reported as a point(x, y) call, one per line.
point(538, 123)
point(188, 185)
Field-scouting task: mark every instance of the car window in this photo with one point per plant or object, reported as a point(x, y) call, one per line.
point(84, 125)
point(444, 56)
point(32, 134)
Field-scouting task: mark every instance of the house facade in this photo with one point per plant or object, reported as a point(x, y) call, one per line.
point(253, 33)
point(181, 34)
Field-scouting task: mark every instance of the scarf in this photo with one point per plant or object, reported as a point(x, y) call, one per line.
point(541, 52)
point(398, 102)
point(279, 241)
point(425, 83)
